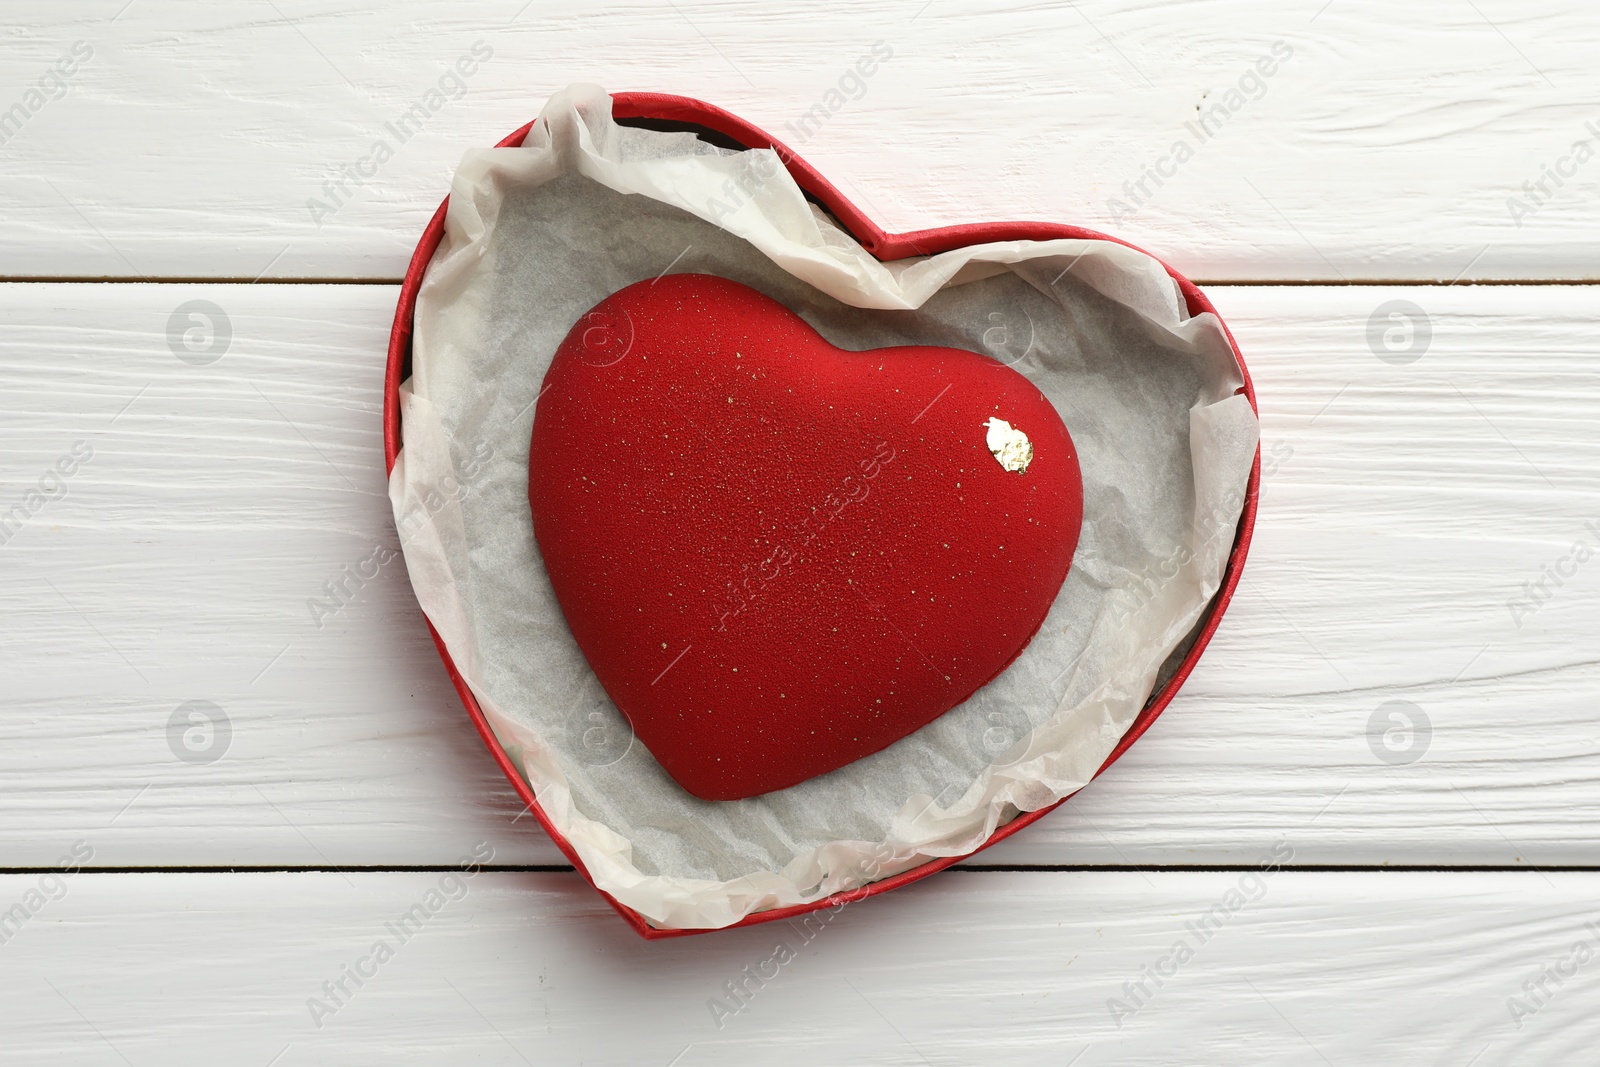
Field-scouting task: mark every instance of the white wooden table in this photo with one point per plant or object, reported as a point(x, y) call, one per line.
point(1428, 477)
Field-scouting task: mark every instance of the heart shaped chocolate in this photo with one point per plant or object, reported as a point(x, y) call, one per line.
point(779, 556)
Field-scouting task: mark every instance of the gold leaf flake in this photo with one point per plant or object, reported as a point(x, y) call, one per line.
point(1010, 446)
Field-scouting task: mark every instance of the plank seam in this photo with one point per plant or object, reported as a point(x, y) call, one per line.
point(975, 868)
point(1340, 283)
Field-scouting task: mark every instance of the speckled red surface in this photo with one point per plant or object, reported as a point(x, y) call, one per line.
point(780, 556)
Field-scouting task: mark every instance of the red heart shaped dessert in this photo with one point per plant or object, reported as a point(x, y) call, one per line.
point(780, 556)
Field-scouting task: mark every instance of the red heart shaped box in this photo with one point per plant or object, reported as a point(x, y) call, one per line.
point(663, 112)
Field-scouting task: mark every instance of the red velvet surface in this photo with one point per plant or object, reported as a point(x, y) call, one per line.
point(780, 556)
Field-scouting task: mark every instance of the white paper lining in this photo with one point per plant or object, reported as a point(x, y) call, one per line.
point(537, 235)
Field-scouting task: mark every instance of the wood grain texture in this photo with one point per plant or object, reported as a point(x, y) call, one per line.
point(1388, 145)
point(1023, 968)
point(1417, 543)
point(1404, 508)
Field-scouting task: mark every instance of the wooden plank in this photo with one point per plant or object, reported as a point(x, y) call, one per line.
point(1026, 968)
point(191, 142)
point(178, 567)
point(1404, 508)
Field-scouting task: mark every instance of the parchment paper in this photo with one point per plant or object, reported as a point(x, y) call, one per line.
point(537, 235)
